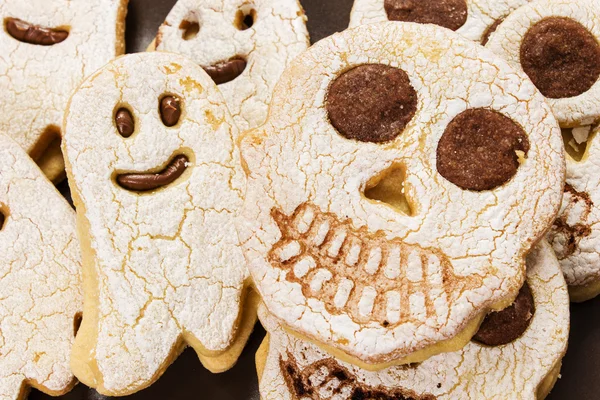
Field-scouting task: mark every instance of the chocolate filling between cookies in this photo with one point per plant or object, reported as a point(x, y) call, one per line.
point(34, 34)
point(504, 327)
point(451, 14)
point(561, 57)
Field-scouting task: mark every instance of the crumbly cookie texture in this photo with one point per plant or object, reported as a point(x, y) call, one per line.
point(360, 273)
point(277, 34)
point(575, 235)
point(36, 80)
point(481, 14)
point(41, 296)
point(575, 110)
point(163, 267)
point(291, 368)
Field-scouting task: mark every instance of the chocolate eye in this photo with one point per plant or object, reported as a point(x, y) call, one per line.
point(245, 18)
point(189, 27)
point(124, 122)
point(170, 110)
point(481, 150)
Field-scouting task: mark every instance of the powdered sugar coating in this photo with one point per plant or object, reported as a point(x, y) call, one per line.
point(165, 267)
point(515, 370)
point(506, 42)
point(481, 14)
point(277, 36)
point(36, 81)
point(476, 241)
point(40, 279)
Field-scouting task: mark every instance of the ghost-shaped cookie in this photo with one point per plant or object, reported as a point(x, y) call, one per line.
point(48, 48)
point(41, 295)
point(402, 177)
point(556, 43)
point(520, 357)
point(157, 181)
point(244, 45)
point(474, 19)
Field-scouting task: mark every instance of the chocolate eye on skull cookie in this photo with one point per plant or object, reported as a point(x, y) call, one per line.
point(521, 363)
point(394, 191)
point(158, 182)
point(41, 295)
point(49, 47)
point(243, 45)
point(556, 43)
point(474, 19)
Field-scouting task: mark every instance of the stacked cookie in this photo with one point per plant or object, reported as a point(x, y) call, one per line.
point(381, 200)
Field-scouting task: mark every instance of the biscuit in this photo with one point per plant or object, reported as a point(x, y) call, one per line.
point(41, 295)
point(49, 47)
point(474, 19)
point(243, 45)
point(157, 182)
point(386, 211)
point(555, 42)
point(525, 367)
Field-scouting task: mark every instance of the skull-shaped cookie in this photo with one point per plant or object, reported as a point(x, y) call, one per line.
point(474, 19)
point(523, 367)
point(41, 295)
point(401, 178)
point(244, 45)
point(556, 44)
point(48, 48)
point(150, 151)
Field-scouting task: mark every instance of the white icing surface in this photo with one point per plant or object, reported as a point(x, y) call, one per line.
point(37, 81)
point(40, 278)
point(167, 263)
point(278, 35)
point(512, 371)
point(474, 242)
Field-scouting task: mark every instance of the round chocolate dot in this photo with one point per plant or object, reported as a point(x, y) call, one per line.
point(503, 327)
point(371, 103)
point(481, 150)
point(451, 14)
point(561, 57)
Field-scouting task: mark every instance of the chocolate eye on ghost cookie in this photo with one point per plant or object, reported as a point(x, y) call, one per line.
point(50, 47)
point(556, 43)
point(41, 293)
point(244, 47)
point(395, 191)
point(158, 182)
point(474, 19)
point(522, 359)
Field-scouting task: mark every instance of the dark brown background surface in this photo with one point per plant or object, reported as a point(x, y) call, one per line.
point(187, 379)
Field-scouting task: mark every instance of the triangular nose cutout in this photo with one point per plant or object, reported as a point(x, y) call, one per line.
point(577, 141)
point(389, 188)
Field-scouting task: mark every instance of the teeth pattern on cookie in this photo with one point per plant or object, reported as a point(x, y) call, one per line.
point(164, 266)
point(40, 279)
point(524, 368)
point(244, 46)
point(474, 19)
point(357, 273)
point(50, 46)
point(383, 278)
point(556, 43)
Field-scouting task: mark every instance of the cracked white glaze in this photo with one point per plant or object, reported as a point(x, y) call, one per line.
point(163, 267)
point(36, 81)
point(506, 42)
point(476, 241)
point(512, 371)
point(278, 35)
point(40, 281)
point(576, 234)
point(481, 14)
